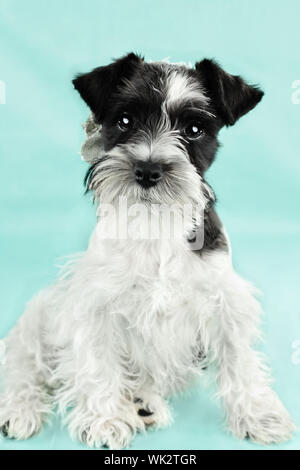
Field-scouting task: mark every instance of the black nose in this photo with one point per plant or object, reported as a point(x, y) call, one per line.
point(147, 173)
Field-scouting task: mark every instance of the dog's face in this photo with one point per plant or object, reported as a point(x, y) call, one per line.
point(158, 124)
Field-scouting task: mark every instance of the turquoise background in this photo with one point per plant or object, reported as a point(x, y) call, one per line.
point(256, 176)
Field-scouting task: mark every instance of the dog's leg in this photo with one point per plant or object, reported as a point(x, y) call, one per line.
point(24, 401)
point(97, 385)
point(252, 407)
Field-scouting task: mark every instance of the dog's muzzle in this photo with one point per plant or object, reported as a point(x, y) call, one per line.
point(147, 174)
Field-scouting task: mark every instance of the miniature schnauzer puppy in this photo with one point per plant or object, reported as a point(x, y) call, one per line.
point(141, 314)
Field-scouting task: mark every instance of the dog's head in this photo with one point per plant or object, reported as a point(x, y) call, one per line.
point(157, 126)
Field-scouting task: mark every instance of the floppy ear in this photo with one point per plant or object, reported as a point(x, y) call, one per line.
point(231, 96)
point(96, 87)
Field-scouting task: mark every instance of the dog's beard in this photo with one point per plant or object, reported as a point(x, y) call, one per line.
point(111, 175)
point(170, 209)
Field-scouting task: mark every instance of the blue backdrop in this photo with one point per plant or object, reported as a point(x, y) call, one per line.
point(256, 176)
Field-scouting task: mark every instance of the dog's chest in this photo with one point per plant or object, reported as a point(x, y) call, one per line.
point(154, 293)
point(158, 303)
point(154, 278)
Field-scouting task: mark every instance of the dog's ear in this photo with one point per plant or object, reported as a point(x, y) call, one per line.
point(96, 87)
point(231, 96)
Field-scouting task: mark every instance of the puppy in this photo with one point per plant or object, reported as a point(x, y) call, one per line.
point(154, 300)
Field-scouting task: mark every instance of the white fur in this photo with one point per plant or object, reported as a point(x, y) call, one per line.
point(181, 88)
point(126, 322)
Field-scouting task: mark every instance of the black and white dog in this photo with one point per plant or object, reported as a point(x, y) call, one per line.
point(151, 302)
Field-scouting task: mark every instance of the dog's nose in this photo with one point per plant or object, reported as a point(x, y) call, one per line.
point(147, 173)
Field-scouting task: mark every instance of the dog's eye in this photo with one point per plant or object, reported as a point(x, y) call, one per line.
point(125, 122)
point(193, 130)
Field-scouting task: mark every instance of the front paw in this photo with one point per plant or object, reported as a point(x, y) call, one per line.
point(112, 433)
point(102, 431)
point(21, 424)
point(268, 424)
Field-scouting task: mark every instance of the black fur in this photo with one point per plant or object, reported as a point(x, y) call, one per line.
point(133, 86)
point(214, 238)
point(107, 93)
point(95, 87)
point(231, 96)
point(143, 412)
point(4, 429)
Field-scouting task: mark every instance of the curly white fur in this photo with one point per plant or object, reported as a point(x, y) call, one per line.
point(124, 323)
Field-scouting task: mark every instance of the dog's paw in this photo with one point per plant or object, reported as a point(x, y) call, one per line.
point(98, 431)
point(20, 424)
point(269, 425)
point(271, 429)
point(153, 410)
point(113, 433)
